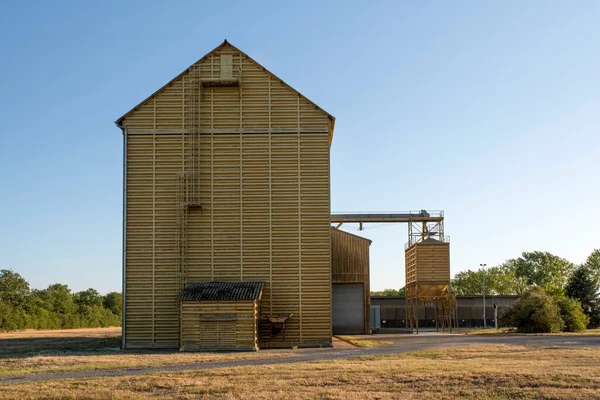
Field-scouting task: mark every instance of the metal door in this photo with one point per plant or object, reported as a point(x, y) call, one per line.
point(348, 308)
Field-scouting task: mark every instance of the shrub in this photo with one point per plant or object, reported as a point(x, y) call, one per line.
point(534, 312)
point(572, 314)
point(594, 315)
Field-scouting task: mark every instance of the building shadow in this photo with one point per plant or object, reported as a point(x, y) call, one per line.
point(56, 346)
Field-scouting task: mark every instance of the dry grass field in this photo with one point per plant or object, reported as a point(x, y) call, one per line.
point(487, 371)
point(474, 372)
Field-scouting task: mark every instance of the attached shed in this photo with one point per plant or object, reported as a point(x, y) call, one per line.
point(350, 287)
point(220, 315)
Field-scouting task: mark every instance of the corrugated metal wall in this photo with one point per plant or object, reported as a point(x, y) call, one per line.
point(264, 190)
point(350, 264)
point(469, 308)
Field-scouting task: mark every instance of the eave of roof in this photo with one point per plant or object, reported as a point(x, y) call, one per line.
point(333, 228)
point(221, 291)
point(119, 121)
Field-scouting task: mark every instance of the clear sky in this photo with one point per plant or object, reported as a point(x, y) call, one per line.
point(487, 110)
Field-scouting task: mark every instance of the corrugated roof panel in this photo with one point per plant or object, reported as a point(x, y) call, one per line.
point(221, 290)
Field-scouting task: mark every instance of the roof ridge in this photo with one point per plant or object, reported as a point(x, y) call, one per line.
point(119, 121)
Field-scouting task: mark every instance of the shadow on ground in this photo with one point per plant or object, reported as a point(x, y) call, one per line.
point(29, 347)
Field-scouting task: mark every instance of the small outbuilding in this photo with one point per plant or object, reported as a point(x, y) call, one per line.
point(218, 315)
point(351, 300)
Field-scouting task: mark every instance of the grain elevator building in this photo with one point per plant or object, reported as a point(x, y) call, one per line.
point(226, 179)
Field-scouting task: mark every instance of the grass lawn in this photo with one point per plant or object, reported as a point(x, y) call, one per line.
point(473, 372)
point(513, 331)
point(31, 351)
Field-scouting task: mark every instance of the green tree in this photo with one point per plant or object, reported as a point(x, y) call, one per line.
point(534, 312)
point(504, 279)
point(593, 263)
point(57, 298)
point(89, 297)
point(595, 315)
point(545, 270)
point(54, 307)
point(469, 283)
point(389, 292)
point(113, 301)
point(500, 280)
point(14, 289)
point(583, 286)
point(572, 314)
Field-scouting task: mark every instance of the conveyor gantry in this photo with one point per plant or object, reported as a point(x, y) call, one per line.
point(421, 224)
point(410, 216)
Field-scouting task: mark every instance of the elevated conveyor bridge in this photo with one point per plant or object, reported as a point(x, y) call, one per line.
point(422, 224)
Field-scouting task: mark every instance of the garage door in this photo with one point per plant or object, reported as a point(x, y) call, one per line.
point(348, 308)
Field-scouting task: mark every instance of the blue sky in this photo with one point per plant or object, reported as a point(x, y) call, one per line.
point(489, 111)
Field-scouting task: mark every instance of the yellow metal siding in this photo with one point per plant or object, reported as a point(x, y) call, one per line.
point(266, 103)
point(349, 258)
point(264, 190)
point(428, 262)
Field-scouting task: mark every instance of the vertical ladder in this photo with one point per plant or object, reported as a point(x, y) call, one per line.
point(181, 218)
point(193, 97)
point(188, 181)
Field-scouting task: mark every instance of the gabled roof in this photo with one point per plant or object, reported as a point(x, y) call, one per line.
point(221, 290)
point(225, 43)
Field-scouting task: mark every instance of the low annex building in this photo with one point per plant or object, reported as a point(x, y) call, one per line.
point(350, 288)
point(220, 315)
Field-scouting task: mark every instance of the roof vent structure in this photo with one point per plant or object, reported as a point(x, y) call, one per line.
point(226, 66)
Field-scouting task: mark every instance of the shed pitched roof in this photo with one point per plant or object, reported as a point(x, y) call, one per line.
point(219, 290)
point(226, 43)
point(341, 232)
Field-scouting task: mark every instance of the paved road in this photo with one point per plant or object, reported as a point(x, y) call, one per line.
point(401, 344)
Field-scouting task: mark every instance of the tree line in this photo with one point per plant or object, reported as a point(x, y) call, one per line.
point(537, 268)
point(389, 292)
point(55, 307)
